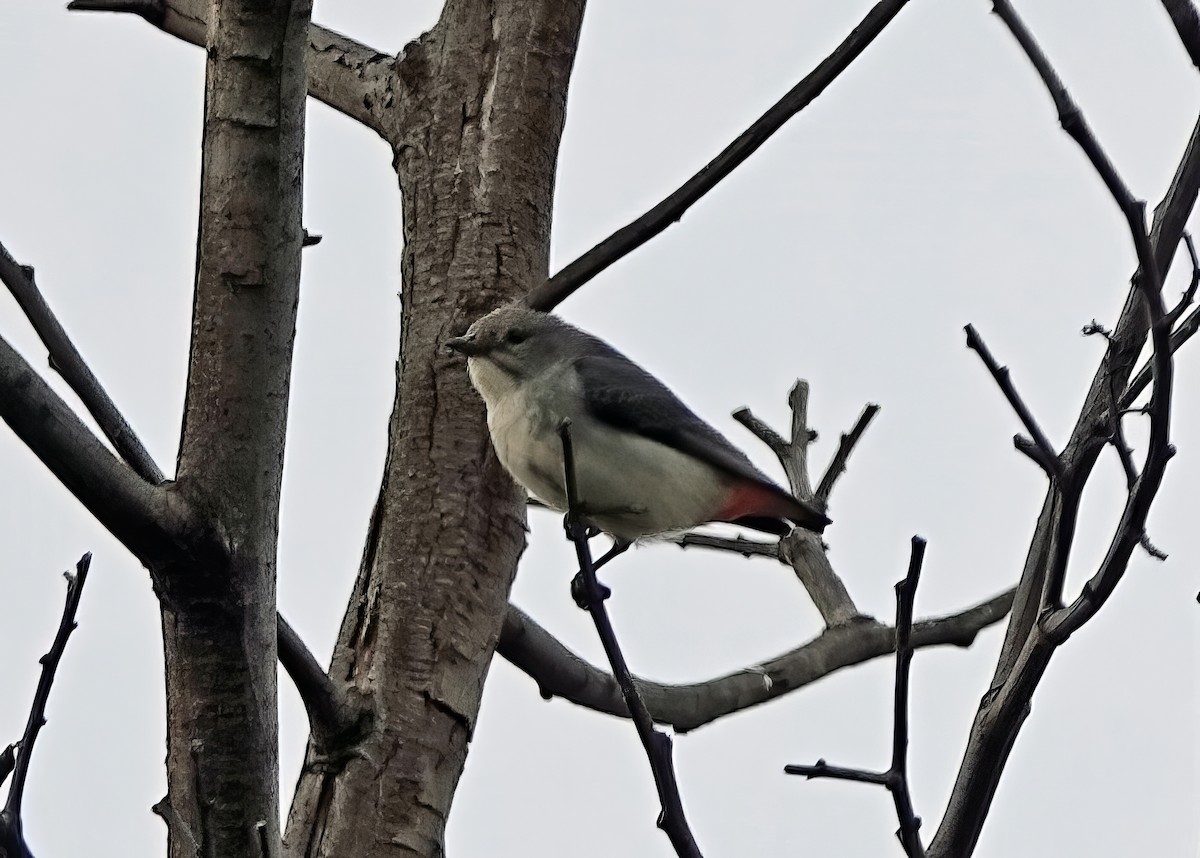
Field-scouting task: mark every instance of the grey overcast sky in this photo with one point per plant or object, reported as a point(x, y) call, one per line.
point(929, 187)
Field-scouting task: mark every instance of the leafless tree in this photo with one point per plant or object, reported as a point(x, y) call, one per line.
point(473, 110)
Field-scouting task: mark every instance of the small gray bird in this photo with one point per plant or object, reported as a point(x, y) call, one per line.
point(645, 464)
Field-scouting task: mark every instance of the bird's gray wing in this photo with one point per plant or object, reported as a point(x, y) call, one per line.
point(622, 394)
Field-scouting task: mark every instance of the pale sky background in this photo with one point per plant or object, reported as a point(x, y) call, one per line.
point(929, 187)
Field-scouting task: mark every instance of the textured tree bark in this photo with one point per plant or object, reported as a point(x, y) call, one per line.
point(483, 101)
point(218, 615)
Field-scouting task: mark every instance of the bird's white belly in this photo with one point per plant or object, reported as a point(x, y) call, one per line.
point(630, 486)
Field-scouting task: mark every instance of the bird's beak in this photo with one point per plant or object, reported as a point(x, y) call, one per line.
point(465, 345)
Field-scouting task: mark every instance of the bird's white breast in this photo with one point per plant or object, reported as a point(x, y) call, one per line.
point(632, 486)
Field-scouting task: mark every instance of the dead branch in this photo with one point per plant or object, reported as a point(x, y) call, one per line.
point(630, 237)
point(559, 672)
point(330, 713)
point(846, 445)
point(12, 839)
point(737, 545)
point(153, 522)
point(1039, 623)
point(1046, 457)
point(1181, 333)
point(350, 77)
point(69, 363)
point(805, 552)
point(896, 776)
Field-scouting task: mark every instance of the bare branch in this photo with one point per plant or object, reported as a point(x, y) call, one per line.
point(805, 552)
point(763, 432)
point(822, 769)
point(153, 522)
point(737, 545)
point(1038, 625)
point(1130, 533)
point(906, 596)
point(350, 77)
point(633, 235)
point(1028, 448)
point(849, 440)
point(332, 717)
point(1184, 332)
point(1187, 26)
point(590, 595)
point(1151, 549)
point(559, 672)
point(8, 759)
point(1181, 333)
point(796, 463)
point(69, 363)
point(12, 841)
point(896, 777)
point(802, 550)
point(1046, 455)
point(1132, 526)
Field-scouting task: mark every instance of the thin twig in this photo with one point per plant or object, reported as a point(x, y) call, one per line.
point(1062, 622)
point(1038, 627)
point(837, 465)
point(796, 463)
point(633, 235)
point(591, 595)
point(906, 596)
point(896, 777)
point(1026, 446)
point(12, 841)
point(69, 363)
point(763, 432)
point(736, 545)
point(1152, 549)
point(802, 550)
point(1049, 459)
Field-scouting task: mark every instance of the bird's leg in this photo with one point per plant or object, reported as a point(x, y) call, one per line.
point(620, 546)
point(586, 589)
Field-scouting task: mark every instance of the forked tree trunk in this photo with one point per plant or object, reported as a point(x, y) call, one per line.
point(480, 120)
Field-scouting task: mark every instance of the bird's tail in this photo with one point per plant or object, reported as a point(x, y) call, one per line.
point(767, 507)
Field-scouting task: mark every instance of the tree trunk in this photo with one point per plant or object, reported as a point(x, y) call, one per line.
point(219, 612)
point(481, 117)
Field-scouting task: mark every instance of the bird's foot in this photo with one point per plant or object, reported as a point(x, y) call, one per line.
point(588, 593)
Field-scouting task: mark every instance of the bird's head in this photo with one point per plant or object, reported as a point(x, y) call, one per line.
point(513, 343)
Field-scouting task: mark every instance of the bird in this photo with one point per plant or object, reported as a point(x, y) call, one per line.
point(645, 464)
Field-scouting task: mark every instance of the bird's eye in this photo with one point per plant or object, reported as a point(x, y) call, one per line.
point(514, 336)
